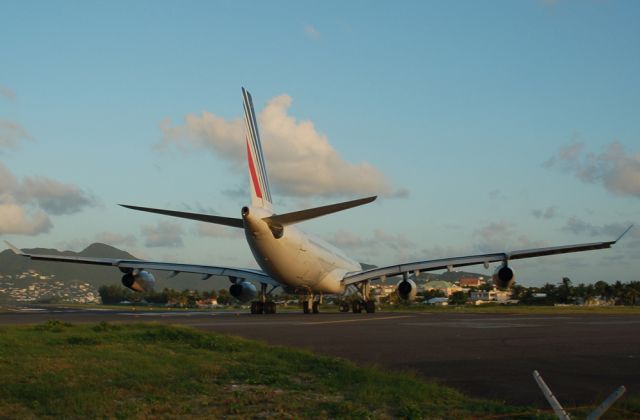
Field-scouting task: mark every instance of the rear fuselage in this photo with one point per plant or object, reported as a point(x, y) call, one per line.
point(296, 259)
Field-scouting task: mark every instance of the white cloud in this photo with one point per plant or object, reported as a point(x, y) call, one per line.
point(501, 236)
point(163, 234)
point(300, 161)
point(616, 170)
point(216, 231)
point(16, 220)
point(12, 133)
point(116, 239)
point(25, 204)
point(609, 230)
point(379, 243)
point(312, 32)
point(53, 196)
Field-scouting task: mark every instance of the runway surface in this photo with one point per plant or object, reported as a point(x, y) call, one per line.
point(583, 358)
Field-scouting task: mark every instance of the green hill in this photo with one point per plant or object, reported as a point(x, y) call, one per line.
point(11, 264)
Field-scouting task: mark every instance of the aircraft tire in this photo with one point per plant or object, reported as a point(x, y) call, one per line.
point(316, 307)
point(370, 306)
point(305, 306)
point(344, 307)
point(270, 307)
point(356, 307)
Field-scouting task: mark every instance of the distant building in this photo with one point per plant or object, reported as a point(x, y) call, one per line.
point(479, 297)
point(382, 290)
point(444, 286)
point(438, 301)
point(471, 282)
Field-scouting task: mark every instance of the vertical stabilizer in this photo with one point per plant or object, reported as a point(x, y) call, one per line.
point(260, 194)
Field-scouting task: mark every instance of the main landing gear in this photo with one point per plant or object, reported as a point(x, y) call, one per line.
point(310, 305)
point(264, 306)
point(363, 303)
point(268, 307)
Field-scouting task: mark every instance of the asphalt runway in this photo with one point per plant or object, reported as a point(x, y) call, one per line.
point(583, 358)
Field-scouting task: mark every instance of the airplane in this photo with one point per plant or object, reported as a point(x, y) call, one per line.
point(295, 261)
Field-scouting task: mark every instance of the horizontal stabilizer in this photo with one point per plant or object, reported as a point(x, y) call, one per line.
point(219, 220)
point(285, 219)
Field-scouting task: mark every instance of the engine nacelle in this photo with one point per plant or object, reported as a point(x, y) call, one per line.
point(504, 277)
point(244, 291)
point(406, 289)
point(139, 281)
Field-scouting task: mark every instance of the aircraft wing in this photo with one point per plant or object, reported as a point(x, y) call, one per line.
point(448, 263)
point(175, 269)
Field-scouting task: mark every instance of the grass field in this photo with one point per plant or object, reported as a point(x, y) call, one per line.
point(150, 370)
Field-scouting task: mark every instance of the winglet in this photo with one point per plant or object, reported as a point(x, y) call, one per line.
point(623, 233)
point(14, 248)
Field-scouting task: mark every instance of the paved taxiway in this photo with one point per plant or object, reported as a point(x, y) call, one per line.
point(582, 358)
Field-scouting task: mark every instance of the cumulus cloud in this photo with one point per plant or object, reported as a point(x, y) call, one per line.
point(212, 230)
point(580, 227)
point(25, 204)
point(15, 219)
point(12, 133)
point(163, 234)
point(548, 213)
point(301, 162)
point(501, 236)
point(312, 32)
point(379, 243)
point(116, 239)
point(53, 196)
point(616, 170)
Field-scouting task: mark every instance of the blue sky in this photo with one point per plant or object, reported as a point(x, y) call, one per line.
point(483, 126)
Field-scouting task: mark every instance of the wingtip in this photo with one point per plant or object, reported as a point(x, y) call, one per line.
point(14, 248)
point(623, 233)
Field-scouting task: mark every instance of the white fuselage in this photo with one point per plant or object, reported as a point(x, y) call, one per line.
point(296, 259)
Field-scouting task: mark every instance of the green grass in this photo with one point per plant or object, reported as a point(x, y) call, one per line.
point(150, 370)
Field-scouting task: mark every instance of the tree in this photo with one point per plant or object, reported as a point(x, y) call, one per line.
point(113, 294)
point(565, 291)
point(458, 298)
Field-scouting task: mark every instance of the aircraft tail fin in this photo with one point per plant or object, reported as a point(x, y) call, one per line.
point(259, 184)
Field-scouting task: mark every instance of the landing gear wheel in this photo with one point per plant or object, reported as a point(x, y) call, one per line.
point(269, 307)
point(306, 307)
point(315, 307)
point(370, 306)
point(356, 307)
point(257, 307)
point(344, 307)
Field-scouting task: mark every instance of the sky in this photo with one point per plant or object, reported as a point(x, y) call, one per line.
point(482, 126)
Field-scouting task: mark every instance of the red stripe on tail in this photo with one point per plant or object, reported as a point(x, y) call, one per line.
point(252, 171)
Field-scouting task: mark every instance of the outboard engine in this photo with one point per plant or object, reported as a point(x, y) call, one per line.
point(406, 289)
point(139, 281)
point(244, 291)
point(504, 277)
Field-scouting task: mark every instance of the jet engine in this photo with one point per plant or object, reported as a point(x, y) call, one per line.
point(406, 289)
point(504, 277)
point(244, 291)
point(139, 281)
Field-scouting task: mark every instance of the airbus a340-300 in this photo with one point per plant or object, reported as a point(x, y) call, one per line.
point(297, 261)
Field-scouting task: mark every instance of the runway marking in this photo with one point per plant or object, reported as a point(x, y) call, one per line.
point(608, 322)
point(344, 321)
point(461, 324)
